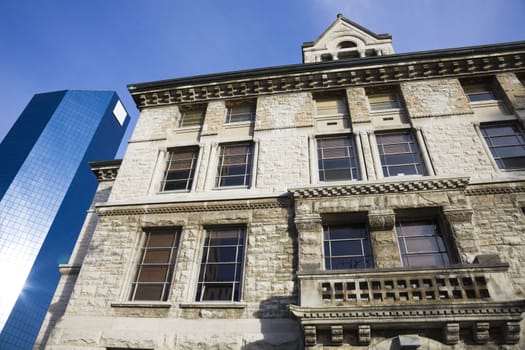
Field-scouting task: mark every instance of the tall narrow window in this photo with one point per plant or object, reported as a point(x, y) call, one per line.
point(421, 243)
point(156, 265)
point(221, 268)
point(181, 169)
point(346, 247)
point(235, 165)
point(507, 145)
point(479, 90)
point(330, 106)
point(192, 117)
point(240, 112)
point(337, 159)
point(400, 154)
point(381, 98)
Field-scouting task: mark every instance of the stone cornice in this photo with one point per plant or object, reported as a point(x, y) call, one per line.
point(411, 314)
point(196, 207)
point(332, 75)
point(106, 170)
point(495, 189)
point(400, 186)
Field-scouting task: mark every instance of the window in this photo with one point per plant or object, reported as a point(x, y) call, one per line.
point(346, 247)
point(181, 169)
point(421, 243)
point(381, 98)
point(240, 113)
point(479, 90)
point(235, 165)
point(337, 159)
point(191, 117)
point(399, 154)
point(156, 265)
point(507, 145)
point(330, 106)
point(222, 264)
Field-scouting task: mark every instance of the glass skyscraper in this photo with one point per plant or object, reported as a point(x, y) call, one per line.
point(46, 186)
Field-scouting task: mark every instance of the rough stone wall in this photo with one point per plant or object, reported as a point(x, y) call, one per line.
point(456, 149)
point(500, 219)
point(282, 131)
point(434, 98)
point(513, 90)
point(358, 105)
point(137, 170)
point(283, 159)
point(284, 111)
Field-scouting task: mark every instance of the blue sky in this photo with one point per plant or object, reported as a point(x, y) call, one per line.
point(106, 44)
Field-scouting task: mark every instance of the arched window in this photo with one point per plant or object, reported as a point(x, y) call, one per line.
point(346, 45)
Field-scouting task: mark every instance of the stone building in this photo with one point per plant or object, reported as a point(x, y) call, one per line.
point(361, 199)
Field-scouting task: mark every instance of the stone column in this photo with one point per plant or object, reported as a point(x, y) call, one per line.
point(463, 232)
point(310, 242)
point(383, 238)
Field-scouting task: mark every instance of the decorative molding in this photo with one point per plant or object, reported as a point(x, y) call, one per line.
point(364, 334)
point(458, 216)
point(451, 333)
point(106, 170)
point(313, 77)
point(401, 186)
point(511, 332)
point(197, 207)
point(310, 335)
point(480, 332)
point(479, 317)
point(336, 334)
point(478, 191)
point(381, 220)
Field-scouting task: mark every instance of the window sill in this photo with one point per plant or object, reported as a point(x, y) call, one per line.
point(231, 188)
point(385, 111)
point(213, 305)
point(143, 304)
point(329, 116)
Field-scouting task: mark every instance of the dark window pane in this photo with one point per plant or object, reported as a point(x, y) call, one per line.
point(421, 243)
point(221, 267)
point(148, 292)
point(507, 145)
point(155, 269)
point(157, 256)
point(399, 154)
point(337, 159)
point(235, 163)
point(181, 169)
point(346, 247)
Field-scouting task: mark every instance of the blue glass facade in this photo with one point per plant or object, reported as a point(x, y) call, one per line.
point(46, 186)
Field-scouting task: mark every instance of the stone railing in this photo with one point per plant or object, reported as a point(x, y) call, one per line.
point(474, 296)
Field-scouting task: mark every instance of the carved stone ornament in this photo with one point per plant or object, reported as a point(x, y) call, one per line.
point(310, 335)
point(336, 334)
point(511, 332)
point(381, 220)
point(458, 216)
point(364, 334)
point(451, 333)
point(480, 332)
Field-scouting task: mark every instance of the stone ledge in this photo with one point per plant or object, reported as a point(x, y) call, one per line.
point(213, 305)
point(148, 305)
